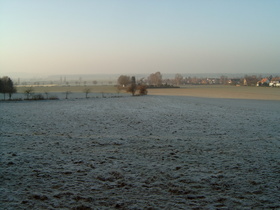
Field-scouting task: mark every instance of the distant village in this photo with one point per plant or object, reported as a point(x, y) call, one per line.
point(155, 80)
point(223, 80)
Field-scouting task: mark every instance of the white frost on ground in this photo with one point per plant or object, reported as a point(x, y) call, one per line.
point(152, 152)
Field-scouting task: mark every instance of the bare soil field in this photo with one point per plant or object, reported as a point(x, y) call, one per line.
point(212, 91)
point(151, 152)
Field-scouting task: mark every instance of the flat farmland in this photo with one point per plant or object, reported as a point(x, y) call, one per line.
point(204, 91)
point(214, 91)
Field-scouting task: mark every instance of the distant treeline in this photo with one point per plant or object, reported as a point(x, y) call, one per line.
point(156, 80)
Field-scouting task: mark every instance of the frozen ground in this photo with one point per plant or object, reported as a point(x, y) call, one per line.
point(152, 152)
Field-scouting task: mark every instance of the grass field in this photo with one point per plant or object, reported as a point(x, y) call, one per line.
point(205, 91)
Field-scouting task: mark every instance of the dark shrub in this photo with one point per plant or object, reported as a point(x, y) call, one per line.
point(38, 97)
point(142, 89)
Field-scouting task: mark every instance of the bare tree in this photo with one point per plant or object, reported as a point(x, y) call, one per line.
point(178, 79)
point(223, 80)
point(250, 80)
point(87, 91)
point(124, 80)
point(67, 93)
point(28, 92)
point(155, 79)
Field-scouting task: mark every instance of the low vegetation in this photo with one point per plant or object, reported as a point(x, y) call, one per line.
point(28, 92)
point(87, 91)
point(131, 86)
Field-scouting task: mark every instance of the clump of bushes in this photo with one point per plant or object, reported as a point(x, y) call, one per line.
point(41, 97)
point(30, 96)
point(142, 90)
point(38, 97)
point(137, 90)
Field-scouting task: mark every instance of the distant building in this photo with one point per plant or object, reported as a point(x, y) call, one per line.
point(275, 82)
point(212, 81)
point(249, 81)
point(263, 82)
point(235, 81)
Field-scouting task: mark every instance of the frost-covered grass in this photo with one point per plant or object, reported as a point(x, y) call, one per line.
point(157, 152)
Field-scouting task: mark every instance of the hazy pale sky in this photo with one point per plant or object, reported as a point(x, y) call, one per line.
point(139, 36)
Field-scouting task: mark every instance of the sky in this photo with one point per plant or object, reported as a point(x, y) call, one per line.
point(139, 36)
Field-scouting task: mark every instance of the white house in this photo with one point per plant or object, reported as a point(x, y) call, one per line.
point(275, 82)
